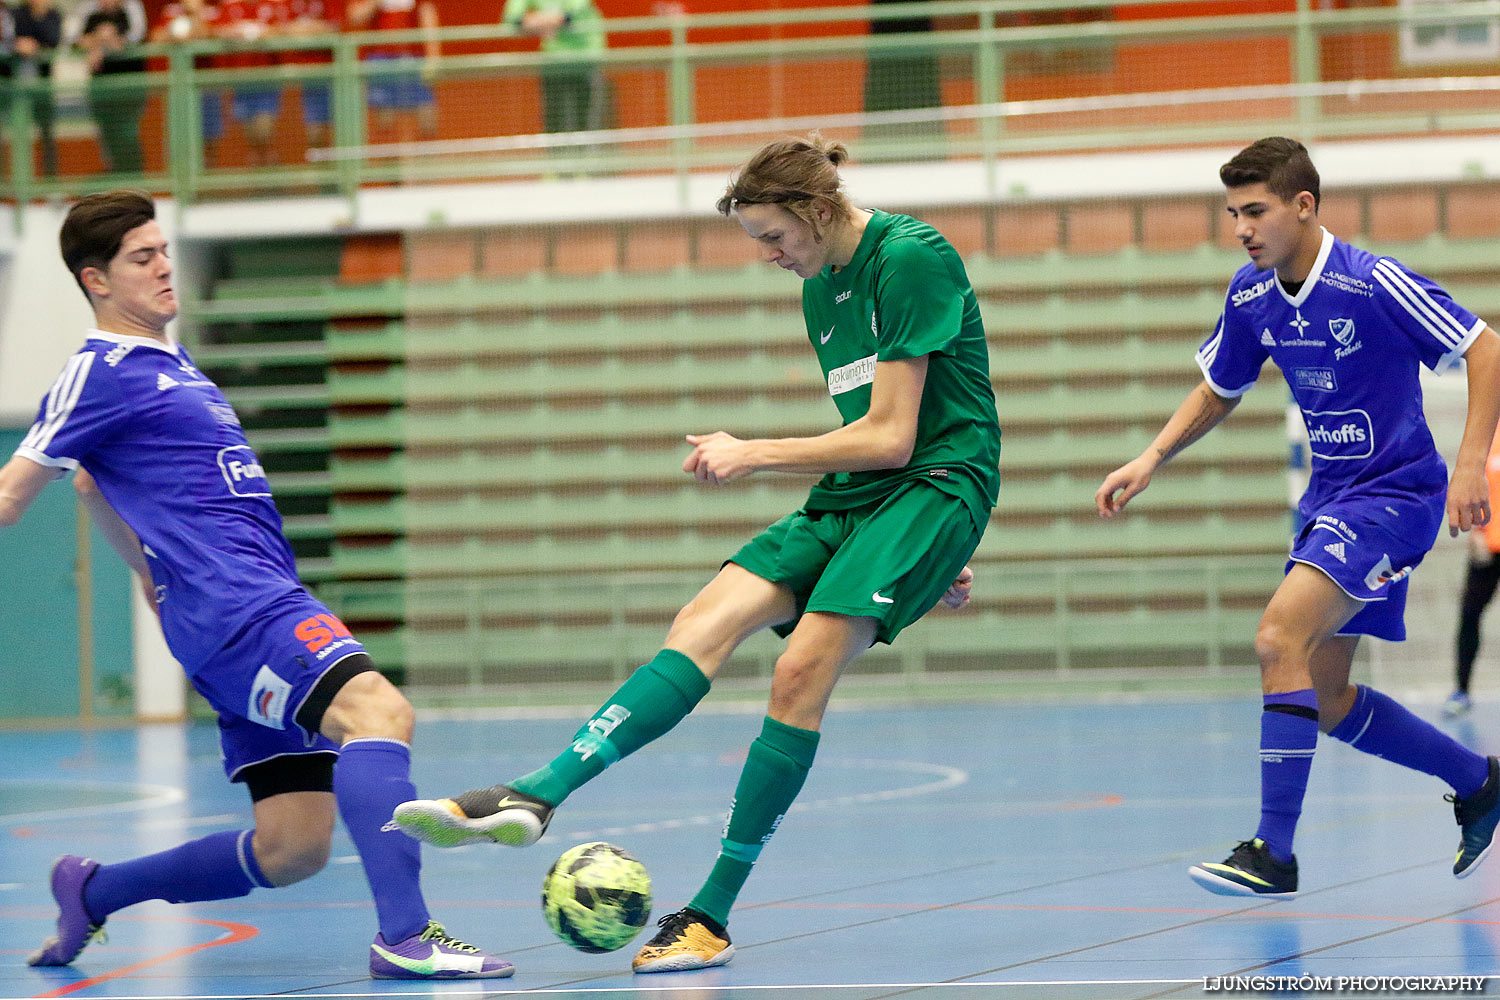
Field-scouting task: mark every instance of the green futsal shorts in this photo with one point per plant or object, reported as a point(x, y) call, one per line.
point(891, 560)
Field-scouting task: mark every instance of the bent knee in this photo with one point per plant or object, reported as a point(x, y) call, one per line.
point(1275, 642)
point(800, 687)
point(369, 706)
point(288, 860)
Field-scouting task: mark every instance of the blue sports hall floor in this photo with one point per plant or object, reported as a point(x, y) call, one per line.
point(1007, 849)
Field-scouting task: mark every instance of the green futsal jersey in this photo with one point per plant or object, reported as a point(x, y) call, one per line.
point(905, 294)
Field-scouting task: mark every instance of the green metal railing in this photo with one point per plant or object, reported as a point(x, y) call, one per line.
point(449, 629)
point(981, 47)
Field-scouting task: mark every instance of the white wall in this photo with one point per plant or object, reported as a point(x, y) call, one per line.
point(43, 314)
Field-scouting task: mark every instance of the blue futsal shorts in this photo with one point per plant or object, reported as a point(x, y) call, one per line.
point(253, 102)
point(399, 91)
point(263, 677)
point(317, 104)
point(1369, 546)
point(211, 108)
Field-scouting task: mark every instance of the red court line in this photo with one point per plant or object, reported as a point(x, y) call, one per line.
point(236, 933)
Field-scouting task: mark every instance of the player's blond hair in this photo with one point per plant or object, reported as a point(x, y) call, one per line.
point(795, 173)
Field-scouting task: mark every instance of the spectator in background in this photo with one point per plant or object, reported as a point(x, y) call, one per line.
point(574, 98)
point(38, 33)
point(7, 52)
point(105, 30)
point(1480, 579)
point(399, 100)
point(304, 18)
point(192, 20)
point(256, 106)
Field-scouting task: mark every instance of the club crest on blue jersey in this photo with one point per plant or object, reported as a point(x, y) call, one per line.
point(1342, 330)
point(268, 698)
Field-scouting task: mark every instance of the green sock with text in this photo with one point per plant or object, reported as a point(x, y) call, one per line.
point(775, 769)
point(650, 702)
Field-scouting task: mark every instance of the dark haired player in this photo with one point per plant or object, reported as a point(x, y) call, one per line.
point(1349, 330)
point(305, 721)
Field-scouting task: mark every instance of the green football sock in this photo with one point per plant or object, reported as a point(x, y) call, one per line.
point(650, 702)
point(775, 769)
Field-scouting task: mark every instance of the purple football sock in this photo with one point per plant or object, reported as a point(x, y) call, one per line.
point(219, 866)
point(1288, 737)
point(1378, 725)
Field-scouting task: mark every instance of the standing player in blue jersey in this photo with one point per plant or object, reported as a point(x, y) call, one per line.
point(1348, 329)
point(305, 721)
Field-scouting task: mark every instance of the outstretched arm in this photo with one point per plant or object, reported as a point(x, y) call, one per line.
point(1468, 490)
point(21, 482)
point(881, 439)
point(1199, 413)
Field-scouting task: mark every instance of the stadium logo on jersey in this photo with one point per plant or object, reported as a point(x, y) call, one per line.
point(1298, 322)
point(1320, 379)
point(165, 381)
point(1266, 338)
point(117, 354)
point(841, 296)
point(268, 698)
point(1336, 549)
point(851, 376)
point(1252, 293)
point(243, 473)
point(874, 328)
point(1340, 435)
point(1383, 573)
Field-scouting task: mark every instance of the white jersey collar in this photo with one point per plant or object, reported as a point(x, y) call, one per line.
point(120, 338)
point(1312, 276)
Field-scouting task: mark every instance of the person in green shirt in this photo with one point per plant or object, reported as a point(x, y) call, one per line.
point(573, 85)
point(908, 483)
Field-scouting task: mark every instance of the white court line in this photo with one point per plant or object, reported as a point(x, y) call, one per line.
point(947, 777)
point(152, 796)
point(218, 819)
point(697, 991)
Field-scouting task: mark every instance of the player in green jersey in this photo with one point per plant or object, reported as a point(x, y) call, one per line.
point(908, 484)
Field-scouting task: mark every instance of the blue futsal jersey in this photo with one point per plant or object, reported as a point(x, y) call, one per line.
point(171, 458)
point(1349, 343)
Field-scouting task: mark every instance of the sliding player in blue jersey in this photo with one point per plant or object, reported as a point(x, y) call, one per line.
point(305, 721)
point(1348, 329)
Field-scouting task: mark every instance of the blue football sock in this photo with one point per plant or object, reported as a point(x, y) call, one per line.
point(372, 778)
point(1288, 737)
point(219, 866)
point(1378, 725)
